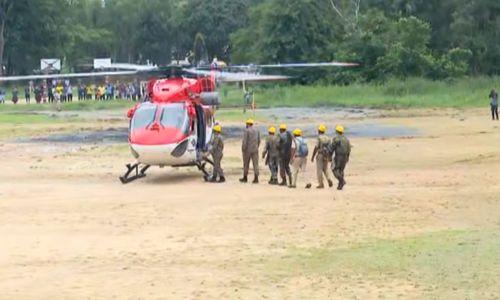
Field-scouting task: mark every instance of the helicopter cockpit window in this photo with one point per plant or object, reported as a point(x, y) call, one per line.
point(175, 115)
point(144, 116)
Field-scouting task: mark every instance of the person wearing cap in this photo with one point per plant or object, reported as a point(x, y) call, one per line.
point(271, 154)
point(285, 154)
point(216, 149)
point(341, 149)
point(322, 154)
point(299, 157)
point(250, 149)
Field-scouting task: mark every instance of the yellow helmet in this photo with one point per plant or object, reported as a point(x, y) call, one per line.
point(297, 132)
point(322, 128)
point(272, 130)
point(217, 128)
point(339, 129)
point(249, 122)
point(283, 127)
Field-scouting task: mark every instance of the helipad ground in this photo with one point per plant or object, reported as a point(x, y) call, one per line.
point(420, 218)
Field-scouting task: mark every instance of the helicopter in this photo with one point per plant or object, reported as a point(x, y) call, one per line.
point(173, 124)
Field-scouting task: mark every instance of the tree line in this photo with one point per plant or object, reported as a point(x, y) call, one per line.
point(390, 38)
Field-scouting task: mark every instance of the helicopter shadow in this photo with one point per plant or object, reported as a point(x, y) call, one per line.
point(173, 178)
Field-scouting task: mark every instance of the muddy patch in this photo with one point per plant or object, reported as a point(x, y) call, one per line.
point(321, 113)
point(120, 134)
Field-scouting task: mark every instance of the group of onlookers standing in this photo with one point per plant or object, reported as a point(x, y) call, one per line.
point(109, 91)
point(62, 91)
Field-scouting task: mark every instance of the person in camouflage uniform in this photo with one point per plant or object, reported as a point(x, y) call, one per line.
point(216, 149)
point(341, 149)
point(271, 155)
point(285, 154)
point(322, 155)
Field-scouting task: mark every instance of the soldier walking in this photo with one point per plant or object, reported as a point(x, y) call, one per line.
point(322, 154)
point(341, 149)
point(271, 155)
point(250, 149)
point(285, 154)
point(216, 149)
point(299, 157)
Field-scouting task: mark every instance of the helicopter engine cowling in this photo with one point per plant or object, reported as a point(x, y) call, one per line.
point(210, 98)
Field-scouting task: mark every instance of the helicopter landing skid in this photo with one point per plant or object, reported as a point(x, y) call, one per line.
point(201, 166)
point(139, 173)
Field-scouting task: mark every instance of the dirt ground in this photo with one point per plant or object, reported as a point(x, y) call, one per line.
point(419, 219)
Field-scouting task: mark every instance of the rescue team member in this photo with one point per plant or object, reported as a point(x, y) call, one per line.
point(250, 149)
point(216, 149)
point(494, 104)
point(299, 157)
point(341, 148)
point(322, 154)
point(271, 155)
point(285, 154)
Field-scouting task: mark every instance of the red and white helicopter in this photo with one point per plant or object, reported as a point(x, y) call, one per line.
point(173, 124)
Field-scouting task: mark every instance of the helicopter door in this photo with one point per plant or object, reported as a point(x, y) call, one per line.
point(201, 129)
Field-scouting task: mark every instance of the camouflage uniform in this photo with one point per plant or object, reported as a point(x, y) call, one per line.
point(216, 149)
point(271, 154)
point(285, 155)
point(341, 149)
point(250, 149)
point(322, 153)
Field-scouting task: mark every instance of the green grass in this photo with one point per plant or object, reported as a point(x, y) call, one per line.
point(464, 262)
point(29, 118)
point(411, 93)
point(237, 115)
point(90, 105)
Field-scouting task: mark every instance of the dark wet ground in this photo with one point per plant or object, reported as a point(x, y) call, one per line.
point(120, 135)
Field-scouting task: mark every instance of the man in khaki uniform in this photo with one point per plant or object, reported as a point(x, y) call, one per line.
point(299, 157)
point(271, 155)
point(341, 148)
point(322, 154)
point(250, 149)
point(216, 149)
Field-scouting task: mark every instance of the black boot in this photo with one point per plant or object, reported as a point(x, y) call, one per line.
point(213, 179)
point(244, 179)
point(255, 179)
point(330, 183)
point(290, 180)
point(222, 179)
point(283, 181)
point(341, 184)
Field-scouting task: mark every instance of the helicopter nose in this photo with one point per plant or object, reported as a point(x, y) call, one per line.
point(157, 135)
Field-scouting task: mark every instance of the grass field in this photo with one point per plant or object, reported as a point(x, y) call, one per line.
point(411, 93)
point(457, 260)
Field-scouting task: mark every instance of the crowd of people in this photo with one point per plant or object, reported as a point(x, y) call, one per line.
point(63, 91)
point(286, 154)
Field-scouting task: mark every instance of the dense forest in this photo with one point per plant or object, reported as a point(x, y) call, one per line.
point(436, 39)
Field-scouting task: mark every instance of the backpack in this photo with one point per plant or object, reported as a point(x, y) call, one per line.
point(325, 149)
point(302, 149)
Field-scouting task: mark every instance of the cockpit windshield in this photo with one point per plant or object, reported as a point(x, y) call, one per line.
point(175, 115)
point(144, 116)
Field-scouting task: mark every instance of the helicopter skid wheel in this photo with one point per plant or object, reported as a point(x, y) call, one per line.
point(134, 168)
